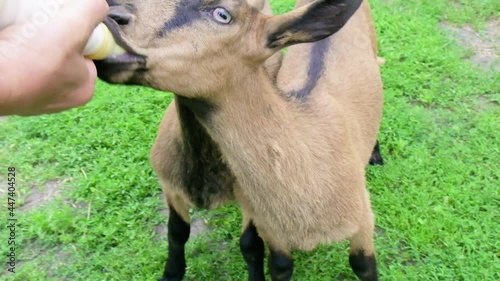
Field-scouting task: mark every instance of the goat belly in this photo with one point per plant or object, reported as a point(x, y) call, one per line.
point(303, 221)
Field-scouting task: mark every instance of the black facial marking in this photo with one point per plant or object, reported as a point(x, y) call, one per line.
point(113, 2)
point(204, 175)
point(122, 15)
point(186, 12)
point(316, 68)
point(365, 267)
point(322, 19)
point(107, 70)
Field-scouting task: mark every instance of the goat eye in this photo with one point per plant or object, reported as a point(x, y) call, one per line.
point(222, 16)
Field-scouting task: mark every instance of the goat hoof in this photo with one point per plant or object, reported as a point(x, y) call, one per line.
point(375, 161)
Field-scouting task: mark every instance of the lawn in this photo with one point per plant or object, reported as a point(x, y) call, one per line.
point(89, 206)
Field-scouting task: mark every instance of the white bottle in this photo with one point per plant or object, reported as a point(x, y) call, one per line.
point(100, 45)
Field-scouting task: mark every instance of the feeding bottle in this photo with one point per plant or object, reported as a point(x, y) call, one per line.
point(100, 45)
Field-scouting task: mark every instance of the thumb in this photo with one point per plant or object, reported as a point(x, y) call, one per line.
point(92, 70)
point(82, 17)
point(88, 89)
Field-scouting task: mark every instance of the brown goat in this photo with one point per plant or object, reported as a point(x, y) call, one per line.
point(291, 149)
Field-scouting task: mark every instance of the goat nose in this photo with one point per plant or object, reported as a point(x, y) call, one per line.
point(120, 14)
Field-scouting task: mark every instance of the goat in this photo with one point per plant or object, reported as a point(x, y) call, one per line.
point(290, 149)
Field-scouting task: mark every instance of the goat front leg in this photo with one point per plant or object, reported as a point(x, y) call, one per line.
point(280, 260)
point(362, 253)
point(178, 234)
point(252, 248)
point(280, 265)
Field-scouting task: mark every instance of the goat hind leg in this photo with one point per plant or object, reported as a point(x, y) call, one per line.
point(178, 234)
point(376, 158)
point(362, 254)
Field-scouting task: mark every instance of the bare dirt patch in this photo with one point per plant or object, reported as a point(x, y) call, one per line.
point(40, 195)
point(48, 258)
point(48, 192)
point(3, 118)
point(485, 44)
point(484, 102)
point(3, 191)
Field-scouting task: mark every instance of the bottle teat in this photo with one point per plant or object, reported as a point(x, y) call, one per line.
point(101, 44)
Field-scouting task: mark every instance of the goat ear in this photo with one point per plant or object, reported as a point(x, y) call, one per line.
point(309, 23)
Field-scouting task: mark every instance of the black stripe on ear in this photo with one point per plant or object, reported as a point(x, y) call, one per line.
point(322, 19)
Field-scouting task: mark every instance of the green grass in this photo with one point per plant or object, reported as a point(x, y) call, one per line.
point(436, 199)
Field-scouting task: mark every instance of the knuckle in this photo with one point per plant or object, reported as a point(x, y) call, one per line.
point(100, 8)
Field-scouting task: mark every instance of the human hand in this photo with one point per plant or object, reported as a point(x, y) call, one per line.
point(47, 73)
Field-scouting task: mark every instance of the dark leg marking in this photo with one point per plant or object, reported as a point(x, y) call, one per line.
point(365, 267)
point(376, 158)
point(280, 266)
point(252, 248)
point(178, 234)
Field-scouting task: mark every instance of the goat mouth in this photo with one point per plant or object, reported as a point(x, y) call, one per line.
point(131, 56)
